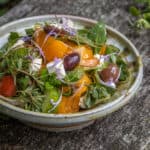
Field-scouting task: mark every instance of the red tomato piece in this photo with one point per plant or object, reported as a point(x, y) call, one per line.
point(7, 86)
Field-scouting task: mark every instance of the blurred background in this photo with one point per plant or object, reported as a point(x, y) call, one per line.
point(126, 129)
point(5, 5)
point(138, 11)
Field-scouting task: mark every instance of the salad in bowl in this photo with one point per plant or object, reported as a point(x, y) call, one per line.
point(58, 68)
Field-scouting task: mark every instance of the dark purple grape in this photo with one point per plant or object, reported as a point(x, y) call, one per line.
point(110, 73)
point(71, 61)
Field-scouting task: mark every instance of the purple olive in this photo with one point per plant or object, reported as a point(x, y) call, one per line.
point(110, 73)
point(71, 61)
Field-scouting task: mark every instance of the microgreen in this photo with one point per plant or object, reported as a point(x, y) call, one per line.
point(97, 93)
point(142, 15)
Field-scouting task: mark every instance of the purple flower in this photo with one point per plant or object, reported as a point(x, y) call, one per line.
point(57, 67)
point(29, 57)
point(57, 60)
point(67, 28)
point(26, 39)
point(109, 84)
point(52, 33)
point(39, 49)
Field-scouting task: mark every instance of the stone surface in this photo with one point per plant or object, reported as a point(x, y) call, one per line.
point(126, 129)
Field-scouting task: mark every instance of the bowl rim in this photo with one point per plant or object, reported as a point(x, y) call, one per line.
point(103, 110)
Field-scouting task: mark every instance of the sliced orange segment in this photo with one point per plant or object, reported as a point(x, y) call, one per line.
point(87, 57)
point(102, 50)
point(84, 51)
point(51, 47)
point(84, 82)
point(71, 104)
point(89, 62)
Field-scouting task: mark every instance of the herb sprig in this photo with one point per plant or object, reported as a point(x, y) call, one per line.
point(142, 15)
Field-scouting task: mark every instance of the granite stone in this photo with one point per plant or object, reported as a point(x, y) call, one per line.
point(125, 129)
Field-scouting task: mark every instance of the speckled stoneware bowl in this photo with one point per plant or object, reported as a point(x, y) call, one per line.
point(55, 122)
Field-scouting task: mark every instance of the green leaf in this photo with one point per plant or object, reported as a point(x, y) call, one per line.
point(3, 49)
point(124, 70)
point(94, 37)
point(143, 19)
point(142, 23)
point(23, 82)
point(44, 74)
point(51, 78)
point(113, 58)
point(82, 38)
point(74, 75)
point(97, 34)
point(97, 93)
point(17, 57)
point(13, 37)
point(52, 93)
point(20, 52)
point(134, 11)
point(112, 49)
point(146, 16)
point(29, 31)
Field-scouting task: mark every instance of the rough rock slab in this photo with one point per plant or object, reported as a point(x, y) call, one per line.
point(126, 129)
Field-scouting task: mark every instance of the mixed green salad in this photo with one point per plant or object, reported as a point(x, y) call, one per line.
point(56, 68)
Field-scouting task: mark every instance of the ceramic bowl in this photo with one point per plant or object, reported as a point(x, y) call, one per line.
point(67, 122)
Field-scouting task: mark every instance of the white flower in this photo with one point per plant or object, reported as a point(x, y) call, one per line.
point(18, 43)
point(36, 64)
point(57, 67)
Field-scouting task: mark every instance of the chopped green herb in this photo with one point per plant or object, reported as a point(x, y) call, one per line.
point(29, 31)
point(112, 49)
point(97, 34)
point(142, 16)
point(134, 11)
point(53, 94)
point(124, 70)
point(74, 75)
point(97, 94)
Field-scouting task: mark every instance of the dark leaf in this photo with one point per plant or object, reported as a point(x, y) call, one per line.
point(97, 34)
point(74, 75)
point(134, 11)
point(29, 31)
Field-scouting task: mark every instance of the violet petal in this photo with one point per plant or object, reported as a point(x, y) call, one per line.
point(39, 49)
point(66, 27)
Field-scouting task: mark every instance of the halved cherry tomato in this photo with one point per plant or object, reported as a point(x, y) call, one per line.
point(7, 86)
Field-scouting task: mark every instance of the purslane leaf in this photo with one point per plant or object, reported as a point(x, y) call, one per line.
point(97, 93)
point(97, 34)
